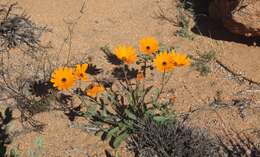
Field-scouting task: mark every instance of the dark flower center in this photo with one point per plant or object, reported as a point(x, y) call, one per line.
point(63, 80)
point(81, 75)
point(164, 63)
point(148, 47)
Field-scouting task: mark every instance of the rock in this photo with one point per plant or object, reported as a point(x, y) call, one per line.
point(238, 16)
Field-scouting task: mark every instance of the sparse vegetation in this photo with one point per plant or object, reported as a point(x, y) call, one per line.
point(172, 139)
point(38, 151)
point(18, 31)
point(184, 20)
point(175, 139)
point(201, 64)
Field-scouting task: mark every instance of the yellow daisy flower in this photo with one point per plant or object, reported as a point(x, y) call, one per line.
point(164, 62)
point(94, 90)
point(80, 72)
point(148, 45)
point(63, 78)
point(126, 53)
point(181, 59)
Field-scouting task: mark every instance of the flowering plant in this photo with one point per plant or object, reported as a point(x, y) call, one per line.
point(119, 106)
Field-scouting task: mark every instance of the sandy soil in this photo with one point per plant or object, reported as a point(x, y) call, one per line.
point(113, 22)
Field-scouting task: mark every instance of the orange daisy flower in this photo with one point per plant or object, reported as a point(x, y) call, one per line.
point(63, 78)
point(94, 90)
point(126, 53)
point(164, 62)
point(80, 72)
point(148, 45)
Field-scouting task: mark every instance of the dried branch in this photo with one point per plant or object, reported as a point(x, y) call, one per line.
point(236, 75)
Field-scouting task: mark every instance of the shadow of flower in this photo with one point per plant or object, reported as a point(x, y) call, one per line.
point(110, 57)
point(93, 70)
point(40, 88)
point(123, 73)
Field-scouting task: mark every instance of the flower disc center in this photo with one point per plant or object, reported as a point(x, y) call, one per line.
point(63, 80)
point(164, 63)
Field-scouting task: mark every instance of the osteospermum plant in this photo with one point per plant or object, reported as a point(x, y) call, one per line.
point(120, 103)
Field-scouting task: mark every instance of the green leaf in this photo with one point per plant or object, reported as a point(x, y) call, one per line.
point(92, 109)
point(112, 98)
point(130, 114)
point(160, 119)
point(112, 133)
point(14, 153)
point(128, 124)
point(39, 142)
point(118, 140)
point(144, 92)
point(154, 98)
point(122, 126)
point(104, 113)
point(129, 99)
